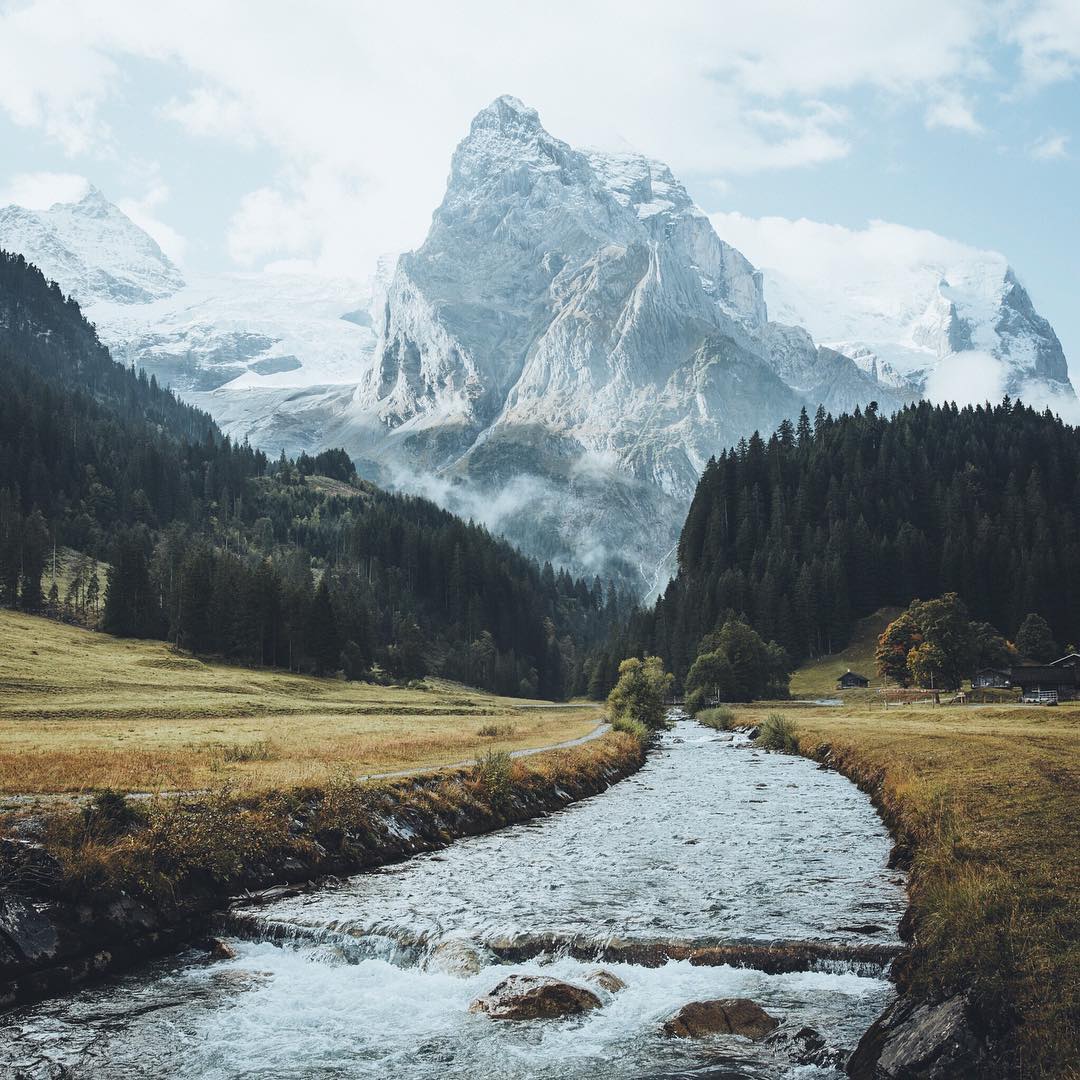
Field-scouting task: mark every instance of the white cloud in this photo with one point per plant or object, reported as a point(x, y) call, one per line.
point(364, 102)
point(205, 112)
point(1050, 148)
point(968, 378)
point(142, 212)
point(1048, 36)
point(953, 113)
point(40, 190)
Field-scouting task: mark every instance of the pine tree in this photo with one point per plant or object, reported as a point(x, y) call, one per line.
point(323, 642)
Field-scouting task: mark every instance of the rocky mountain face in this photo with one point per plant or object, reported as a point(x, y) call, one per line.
point(561, 356)
point(570, 345)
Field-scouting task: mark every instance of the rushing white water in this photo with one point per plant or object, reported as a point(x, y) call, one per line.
point(710, 841)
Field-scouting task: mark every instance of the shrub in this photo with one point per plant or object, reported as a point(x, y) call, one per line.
point(259, 750)
point(493, 774)
point(110, 815)
point(641, 692)
point(779, 733)
point(719, 719)
point(629, 726)
point(494, 731)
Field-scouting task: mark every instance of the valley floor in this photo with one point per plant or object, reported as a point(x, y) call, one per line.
point(83, 711)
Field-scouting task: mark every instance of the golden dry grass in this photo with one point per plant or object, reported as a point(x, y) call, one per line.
point(987, 801)
point(81, 711)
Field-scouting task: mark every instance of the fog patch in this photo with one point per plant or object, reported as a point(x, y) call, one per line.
point(968, 378)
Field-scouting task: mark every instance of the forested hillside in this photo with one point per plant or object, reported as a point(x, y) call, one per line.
point(826, 521)
point(211, 545)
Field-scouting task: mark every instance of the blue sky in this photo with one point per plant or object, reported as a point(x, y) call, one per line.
point(245, 135)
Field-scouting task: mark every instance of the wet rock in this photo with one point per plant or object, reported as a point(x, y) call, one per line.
point(810, 1048)
point(920, 1041)
point(534, 997)
point(220, 950)
point(459, 956)
point(606, 980)
point(723, 1016)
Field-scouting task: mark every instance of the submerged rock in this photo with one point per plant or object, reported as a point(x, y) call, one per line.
point(606, 980)
point(808, 1047)
point(534, 997)
point(459, 956)
point(919, 1040)
point(220, 950)
point(723, 1016)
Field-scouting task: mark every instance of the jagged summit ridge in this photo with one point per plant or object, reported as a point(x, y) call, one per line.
point(573, 311)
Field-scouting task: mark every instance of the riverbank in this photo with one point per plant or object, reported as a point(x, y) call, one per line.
point(983, 805)
point(93, 891)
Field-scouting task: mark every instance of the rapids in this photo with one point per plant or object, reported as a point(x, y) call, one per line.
point(712, 841)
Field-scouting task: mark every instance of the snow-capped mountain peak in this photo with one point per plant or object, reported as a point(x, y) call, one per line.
point(93, 249)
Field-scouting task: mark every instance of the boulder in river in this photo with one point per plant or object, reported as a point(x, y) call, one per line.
point(606, 980)
point(723, 1016)
point(220, 950)
point(535, 997)
point(459, 956)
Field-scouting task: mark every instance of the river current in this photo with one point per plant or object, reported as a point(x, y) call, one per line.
point(712, 841)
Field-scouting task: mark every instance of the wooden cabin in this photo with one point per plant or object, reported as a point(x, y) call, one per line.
point(851, 680)
point(1046, 683)
point(991, 679)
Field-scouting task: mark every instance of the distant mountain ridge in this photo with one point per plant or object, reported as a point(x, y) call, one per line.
point(566, 350)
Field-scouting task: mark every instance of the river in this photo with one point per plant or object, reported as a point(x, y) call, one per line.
point(712, 841)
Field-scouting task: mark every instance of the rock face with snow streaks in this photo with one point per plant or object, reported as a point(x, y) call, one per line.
point(573, 325)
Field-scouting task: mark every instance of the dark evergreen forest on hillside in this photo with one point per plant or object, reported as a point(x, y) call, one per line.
point(827, 520)
point(213, 546)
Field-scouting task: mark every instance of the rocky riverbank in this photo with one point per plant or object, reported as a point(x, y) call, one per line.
point(92, 892)
point(926, 1034)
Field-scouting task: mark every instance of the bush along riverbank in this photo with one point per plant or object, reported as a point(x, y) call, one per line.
point(983, 808)
point(88, 892)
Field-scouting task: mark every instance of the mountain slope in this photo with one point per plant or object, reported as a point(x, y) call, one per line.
point(92, 249)
point(249, 330)
point(952, 320)
point(215, 548)
point(571, 338)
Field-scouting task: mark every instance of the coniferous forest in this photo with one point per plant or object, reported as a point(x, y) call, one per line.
point(830, 519)
point(213, 546)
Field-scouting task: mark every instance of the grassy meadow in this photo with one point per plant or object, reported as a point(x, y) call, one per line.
point(81, 711)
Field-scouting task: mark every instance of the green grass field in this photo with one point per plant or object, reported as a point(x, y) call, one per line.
point(82, 711)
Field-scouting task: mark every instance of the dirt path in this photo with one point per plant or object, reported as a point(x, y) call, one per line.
point(10, 803)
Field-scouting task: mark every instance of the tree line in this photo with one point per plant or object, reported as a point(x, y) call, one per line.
point(293, 563)
point(803, 533)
